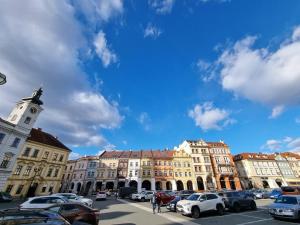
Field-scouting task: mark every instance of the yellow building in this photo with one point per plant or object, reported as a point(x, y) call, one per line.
point(39, 167)
point(183, 171)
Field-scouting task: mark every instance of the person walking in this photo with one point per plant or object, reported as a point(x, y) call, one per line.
point(153, 202)
point(159, 203)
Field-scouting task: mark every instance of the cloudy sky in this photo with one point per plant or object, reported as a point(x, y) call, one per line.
point(150, 74)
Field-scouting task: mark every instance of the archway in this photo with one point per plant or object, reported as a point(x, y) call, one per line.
point(72, 186)
point(179, 185)
point(189, 185)
point(110, 185)
point(133, 184)
point(210, 183)
point(200, 184)
point(121, 184)
point(158, 185)
point(232, 183)
point(78, 187)
point(265, 184)
point(87, 187)
point(169, 185)
point(98, 186)
point(278, 182)
point(147, 185)
point(222, 182)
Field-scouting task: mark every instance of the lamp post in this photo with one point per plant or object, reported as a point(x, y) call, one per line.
point(2, 79)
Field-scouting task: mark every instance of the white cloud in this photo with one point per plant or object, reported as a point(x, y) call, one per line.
point(285, 144)
point(261, 75)
point(40, 43)
point(144, 120)
point(152, 31)
point(207, 117)
point(272, 144)
point(162, 6)
point(276, 111)
point(208, 70)
point(103, 51)
point(74, 155)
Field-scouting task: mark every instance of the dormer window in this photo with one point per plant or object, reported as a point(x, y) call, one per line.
point(16, 142)
point(27, 120)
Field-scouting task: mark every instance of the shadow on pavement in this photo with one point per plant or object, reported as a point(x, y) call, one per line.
point(113, 215)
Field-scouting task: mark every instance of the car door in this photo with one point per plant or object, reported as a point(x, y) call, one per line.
point(204, 204)
point(70, 212)
point(38, 203)
point(243, 199)
point(212, 201)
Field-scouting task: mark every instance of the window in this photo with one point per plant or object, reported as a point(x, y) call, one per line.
point(28, 170)
point(26, 152)
point(46, 154)
point(56, 172)
point(144, 173)
point(16, 142)
point(176, 174)
point(14, 117)
point(6, 160)
point(44, 189)
point(18, 170)
point(136, 164)
point(131, 164)
point(190, 174)
point(27, 120)
point(61, 158)
point(35, 153)
point(208, 168)
point(144, 163)
point(50, 189)
point(130, 173)
point(2, 136)
point(211, 196)
point(149, 172)
point(206, 159)
point(19, 190)
point(170, 173)
point(185, 174)
point(50, 172)
point(54, 158)
point(155, 173)
point(9, 188)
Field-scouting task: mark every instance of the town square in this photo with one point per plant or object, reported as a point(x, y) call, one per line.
point(152, 112)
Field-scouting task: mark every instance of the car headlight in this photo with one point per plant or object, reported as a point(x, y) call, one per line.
point(288, 210)
point(172, 205)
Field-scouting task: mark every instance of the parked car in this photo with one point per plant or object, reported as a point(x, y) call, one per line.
point(165, 198)
point(290, 190)
point(101, 195)
point(186, 193)
point(43, 202)
point(32, 217)
point(76, 212)
point(75, 198)
point(126, 192)
point(275, 193)
point(171, 206)
point(237, 200)
point(142, 196)
point(260, 194)
point(5, 197)
point(286, 206)
point(201, 202)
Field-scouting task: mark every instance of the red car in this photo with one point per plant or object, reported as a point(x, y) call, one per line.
point(77, 212)
point(165, 198)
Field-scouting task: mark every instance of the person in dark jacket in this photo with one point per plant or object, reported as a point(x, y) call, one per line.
point(159, 203)
point(153, 202)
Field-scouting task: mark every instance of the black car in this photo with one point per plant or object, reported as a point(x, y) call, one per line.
point(237, 200)
point(32, 217)
point(5, 197)
point(126, 192)
point(172, 204)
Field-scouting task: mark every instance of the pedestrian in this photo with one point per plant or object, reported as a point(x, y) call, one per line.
point(153, 202)
point(158, 202)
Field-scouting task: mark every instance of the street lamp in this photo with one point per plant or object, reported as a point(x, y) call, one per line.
point(2, 79)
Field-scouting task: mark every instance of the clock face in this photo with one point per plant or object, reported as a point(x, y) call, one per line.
point(33, 110)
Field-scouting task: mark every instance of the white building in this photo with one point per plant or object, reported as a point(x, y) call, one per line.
point(134, 176)
point(14, 132)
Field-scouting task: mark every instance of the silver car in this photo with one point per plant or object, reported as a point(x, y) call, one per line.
point(286, 206)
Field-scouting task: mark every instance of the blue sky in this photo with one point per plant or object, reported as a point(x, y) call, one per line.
point(150, 74)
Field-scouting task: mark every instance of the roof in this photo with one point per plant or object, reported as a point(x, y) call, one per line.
point(111, 154)
point(165, 154)
point(37, 135)
point(217, 144)
point(125, 154)
point(251, 156)
point(8, 123)
point(290, 154)
point(147, 154)
point(136, 154)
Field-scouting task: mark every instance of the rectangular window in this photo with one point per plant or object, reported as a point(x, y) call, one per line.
point(28, 170)
point(16, 142)
point(26, 152)
point(185, 174)
point(5, 162)
point(54, 158)
point(46, 154)
point(50, 189)
point(196, 168)
point(50, 172)
point(190, 174)
point(18, 170)
point(149, 173)
point(144, 163)
point(176, 174)
point(9, 188)
point(144, 172)
point(35, 153)
point(170, 173)
point(135, 173)
point(155, 173)
point(136, 164)
point(206, 160)
point(27, 120)
point(19, 190)
point(148, 163)
point(61, 158)
point(56, 172)
point(44, 189)
point(131, 164)
point(2, 136)
point(208, 168)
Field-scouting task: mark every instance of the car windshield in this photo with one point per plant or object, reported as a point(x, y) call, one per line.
point(287, 200)
point(70, 196)
point(193, 197)
point(275, 192)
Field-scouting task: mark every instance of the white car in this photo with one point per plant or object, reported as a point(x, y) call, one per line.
point(142, 196)
point(101, 195)
point(75, 198)
point(201, 202)
point(42, 202)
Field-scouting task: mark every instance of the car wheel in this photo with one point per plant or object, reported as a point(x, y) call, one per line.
point(195, 212)
point(236, 207)
point(253, 205)
point(220, 210)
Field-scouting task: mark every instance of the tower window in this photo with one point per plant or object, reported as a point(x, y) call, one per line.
point(14, 117)
point(27, 120)
point(2, 136)
point(16, 142)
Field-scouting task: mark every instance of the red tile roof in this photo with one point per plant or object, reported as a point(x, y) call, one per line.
point(217, 144)
point(37, 135)
point(257, 156)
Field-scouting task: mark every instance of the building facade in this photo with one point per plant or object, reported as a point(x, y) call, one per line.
point(67, 176)
point(134, 170)
point(14, 132)
point(286, 171)
point(39, 168)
